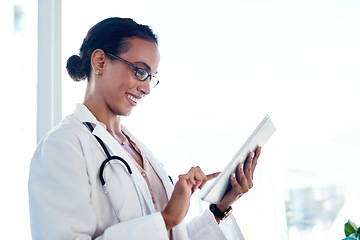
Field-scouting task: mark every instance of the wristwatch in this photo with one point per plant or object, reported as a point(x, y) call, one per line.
point(218, 213)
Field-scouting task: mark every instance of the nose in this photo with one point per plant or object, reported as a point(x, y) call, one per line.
point(144, 87)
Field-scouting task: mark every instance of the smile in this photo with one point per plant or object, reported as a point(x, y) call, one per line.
point(134, 99)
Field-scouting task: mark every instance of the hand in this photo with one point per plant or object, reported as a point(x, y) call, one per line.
point(179, 203)
point(241, 181)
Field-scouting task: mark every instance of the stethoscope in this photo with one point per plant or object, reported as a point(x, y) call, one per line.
point(101, 173)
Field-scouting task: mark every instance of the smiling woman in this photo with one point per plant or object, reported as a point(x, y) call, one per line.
point(67, 191)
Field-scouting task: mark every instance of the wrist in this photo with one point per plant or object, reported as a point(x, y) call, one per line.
point(166, 221)
point(222, 207)
point(170, 220)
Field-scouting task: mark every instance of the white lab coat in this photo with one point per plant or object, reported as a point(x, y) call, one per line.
point(67, 200)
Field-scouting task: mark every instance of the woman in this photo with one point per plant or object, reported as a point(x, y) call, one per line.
point(119, 58)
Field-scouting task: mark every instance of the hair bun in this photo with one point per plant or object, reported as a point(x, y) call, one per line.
point(75, 68)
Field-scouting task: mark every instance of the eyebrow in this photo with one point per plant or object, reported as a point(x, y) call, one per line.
point(145, 65)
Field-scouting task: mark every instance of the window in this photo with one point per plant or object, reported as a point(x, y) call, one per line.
point(18, 107)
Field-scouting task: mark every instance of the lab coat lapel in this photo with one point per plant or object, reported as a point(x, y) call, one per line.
point(179, 232)
point(159, 169)
point(117, 150)
point(169, 187)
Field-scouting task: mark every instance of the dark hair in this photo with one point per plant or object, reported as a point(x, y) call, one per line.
point(111, 36)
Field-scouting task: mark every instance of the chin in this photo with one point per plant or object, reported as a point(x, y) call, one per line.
point(126, 113)
point(122, 112)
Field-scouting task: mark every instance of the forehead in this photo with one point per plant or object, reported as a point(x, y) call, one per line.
point(143, 51)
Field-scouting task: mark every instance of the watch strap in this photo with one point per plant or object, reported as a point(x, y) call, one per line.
point(218, 213)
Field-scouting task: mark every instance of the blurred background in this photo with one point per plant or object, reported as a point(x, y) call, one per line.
point(224, 66)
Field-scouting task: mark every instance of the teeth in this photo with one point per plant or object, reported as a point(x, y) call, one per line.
point(136, 100)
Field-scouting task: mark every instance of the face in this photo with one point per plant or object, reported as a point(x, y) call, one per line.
point(119, 88)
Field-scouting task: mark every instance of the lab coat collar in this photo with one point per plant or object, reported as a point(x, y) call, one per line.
point(83, 114)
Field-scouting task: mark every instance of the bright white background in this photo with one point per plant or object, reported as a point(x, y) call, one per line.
point(224, 66)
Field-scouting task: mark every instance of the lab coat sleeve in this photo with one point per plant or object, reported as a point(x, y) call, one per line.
point(206, 227)
point(60, 197)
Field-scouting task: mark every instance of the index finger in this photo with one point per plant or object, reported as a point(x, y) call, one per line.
point(212, 176)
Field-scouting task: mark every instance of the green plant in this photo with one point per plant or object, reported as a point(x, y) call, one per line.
point(351, 231)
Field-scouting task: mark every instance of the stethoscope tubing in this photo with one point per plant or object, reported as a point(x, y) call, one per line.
point(103, 164)
point(101, 174)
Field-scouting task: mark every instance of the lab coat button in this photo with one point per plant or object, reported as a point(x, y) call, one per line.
point(143, 174)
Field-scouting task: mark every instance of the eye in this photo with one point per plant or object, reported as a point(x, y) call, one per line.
point(142, 74)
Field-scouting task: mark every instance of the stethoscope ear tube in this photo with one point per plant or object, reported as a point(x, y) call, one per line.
point(102, 180)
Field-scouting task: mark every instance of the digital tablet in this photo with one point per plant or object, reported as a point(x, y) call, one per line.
point(221, 184)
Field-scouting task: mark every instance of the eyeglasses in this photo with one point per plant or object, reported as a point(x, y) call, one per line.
point(140, 73)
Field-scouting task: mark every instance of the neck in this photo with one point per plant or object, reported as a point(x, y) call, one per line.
point(94, 102)
point(111, 120)
point(113, 124)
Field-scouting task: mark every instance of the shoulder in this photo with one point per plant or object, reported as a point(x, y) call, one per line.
point(68, 137)
point(69, 129)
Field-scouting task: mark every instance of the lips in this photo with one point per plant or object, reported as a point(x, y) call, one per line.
point(133, 98)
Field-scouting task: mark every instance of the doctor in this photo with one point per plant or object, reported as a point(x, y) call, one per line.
point(75, 194)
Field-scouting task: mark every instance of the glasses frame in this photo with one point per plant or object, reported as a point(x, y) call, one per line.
point(154, 81)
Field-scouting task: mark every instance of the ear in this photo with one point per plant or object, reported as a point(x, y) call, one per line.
point(98, 61)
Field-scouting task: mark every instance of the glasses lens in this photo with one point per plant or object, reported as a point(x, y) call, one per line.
point(141, 74)
point(154, 81)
